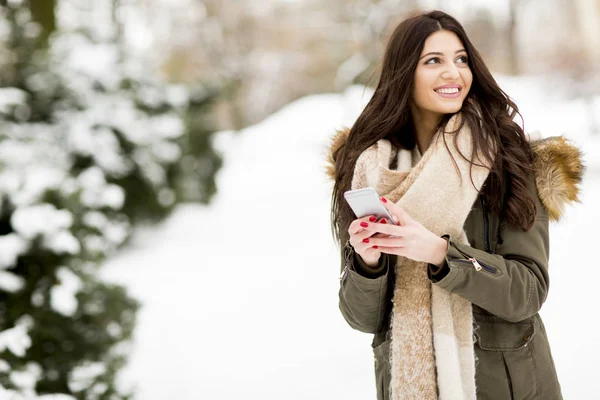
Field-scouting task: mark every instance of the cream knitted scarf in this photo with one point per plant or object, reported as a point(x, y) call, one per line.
point(431, 353)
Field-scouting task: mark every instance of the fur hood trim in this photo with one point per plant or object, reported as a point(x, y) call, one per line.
point(558, 165)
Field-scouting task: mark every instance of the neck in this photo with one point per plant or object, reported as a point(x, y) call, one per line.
point(425, 125)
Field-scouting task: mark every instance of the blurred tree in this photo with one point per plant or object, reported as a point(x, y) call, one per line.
point(515, 13)
point(513, 41)
point(586, 14)
point(42, 12)
point(567, 53)
point(91, 143)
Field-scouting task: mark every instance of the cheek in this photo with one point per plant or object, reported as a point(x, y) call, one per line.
point(422, 87)
point(467, 77)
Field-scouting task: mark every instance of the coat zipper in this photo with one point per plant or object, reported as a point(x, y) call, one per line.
point(478, 266)
point(344, 273)
point(347, 254)
point(485, 226)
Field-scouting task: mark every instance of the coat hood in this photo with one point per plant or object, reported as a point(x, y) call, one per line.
point(558, 166)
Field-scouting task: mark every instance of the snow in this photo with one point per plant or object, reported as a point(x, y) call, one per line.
point(41, 219)
point(97, 193)
point(4, 366)
point(94, 60)
point(240, 297)
point(53, 397)
point(26, 379)
point(61, 242)
point(10, 282)
point(100, 143)
point(11, 247)
point(10, 97)
point(63, 296)
point(84, 375)
point(12, 395)
point(94, 119)
point(16, 339)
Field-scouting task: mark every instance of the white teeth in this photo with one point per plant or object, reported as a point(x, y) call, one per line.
point(448, 90)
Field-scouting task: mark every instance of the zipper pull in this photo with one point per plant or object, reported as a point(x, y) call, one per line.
point(475, 263)
point(344, 272)
point(348, 250)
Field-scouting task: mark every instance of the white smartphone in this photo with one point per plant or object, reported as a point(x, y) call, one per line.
point(367, 202)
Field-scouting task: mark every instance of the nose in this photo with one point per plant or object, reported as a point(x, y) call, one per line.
point(450, 72)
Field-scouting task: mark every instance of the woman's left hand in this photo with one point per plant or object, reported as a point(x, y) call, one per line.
point(413, 240)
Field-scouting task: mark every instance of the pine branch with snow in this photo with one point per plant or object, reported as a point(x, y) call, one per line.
point(91, 144)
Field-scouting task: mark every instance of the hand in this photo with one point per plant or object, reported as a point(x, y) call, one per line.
point(361, 239)
point(412, 239)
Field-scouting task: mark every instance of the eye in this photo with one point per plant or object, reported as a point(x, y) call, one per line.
point(464, 58)
point(432, 59)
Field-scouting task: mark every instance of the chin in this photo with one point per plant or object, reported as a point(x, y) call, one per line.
point(450, 108)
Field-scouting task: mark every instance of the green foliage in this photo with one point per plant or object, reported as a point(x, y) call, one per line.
point(139, 140)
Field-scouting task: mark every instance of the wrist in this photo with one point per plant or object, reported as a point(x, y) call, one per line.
point(442, 247)
point(371, 263)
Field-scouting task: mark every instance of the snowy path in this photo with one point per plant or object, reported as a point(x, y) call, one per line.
point(240, 299)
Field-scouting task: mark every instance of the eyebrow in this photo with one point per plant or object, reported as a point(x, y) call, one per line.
point(437, 53)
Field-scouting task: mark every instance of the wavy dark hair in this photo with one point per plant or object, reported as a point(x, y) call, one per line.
point(487, 108)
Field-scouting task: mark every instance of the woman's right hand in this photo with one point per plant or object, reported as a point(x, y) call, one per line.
point(359, 239)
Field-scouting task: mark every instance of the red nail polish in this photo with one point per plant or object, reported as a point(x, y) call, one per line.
point(383, 199)
point(364, 224)
point(383, 221)
point(366, 240)
point(373, 219)
point(374, 246)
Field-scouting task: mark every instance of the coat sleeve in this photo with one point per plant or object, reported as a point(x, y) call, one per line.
point(363, 291)
point(513, 282)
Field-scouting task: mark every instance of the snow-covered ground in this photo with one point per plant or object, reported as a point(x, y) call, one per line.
point(240, 298)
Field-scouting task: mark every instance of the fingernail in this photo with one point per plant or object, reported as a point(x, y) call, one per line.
point(364, 224)
point(374, 247)
point(383, 221)
point(366, 240)
point(383, 199)
point(373, 219)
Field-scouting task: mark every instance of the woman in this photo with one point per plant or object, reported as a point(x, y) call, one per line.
point(453, 298)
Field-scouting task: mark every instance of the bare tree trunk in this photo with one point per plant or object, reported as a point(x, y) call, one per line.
point(513, 40)
point(42, 12)
point(586, 75)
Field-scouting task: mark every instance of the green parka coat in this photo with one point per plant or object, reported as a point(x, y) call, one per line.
point(511, 345)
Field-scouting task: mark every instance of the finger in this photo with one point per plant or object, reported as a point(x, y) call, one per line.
point(401, 216)
point(396, 251)
point(357, 239)
point(366, 249)
point(387, 229)
point(355, 226)
point(364, 246)
point(385, 242)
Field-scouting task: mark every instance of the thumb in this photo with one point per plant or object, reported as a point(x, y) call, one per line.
point(400, 216)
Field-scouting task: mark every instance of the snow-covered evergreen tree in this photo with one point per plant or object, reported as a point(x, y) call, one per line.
point(91, 143)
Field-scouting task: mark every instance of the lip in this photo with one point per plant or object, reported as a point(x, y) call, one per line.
point(452, 86)
point(456, 95)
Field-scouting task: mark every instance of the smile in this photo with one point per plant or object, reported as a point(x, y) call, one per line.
point(449, 93)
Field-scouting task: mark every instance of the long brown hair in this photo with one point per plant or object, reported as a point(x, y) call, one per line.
point(487, 108)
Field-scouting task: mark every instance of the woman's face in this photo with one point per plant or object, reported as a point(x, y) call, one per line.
point(443, 77)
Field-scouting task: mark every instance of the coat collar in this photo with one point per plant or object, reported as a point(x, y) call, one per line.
point(558, 166)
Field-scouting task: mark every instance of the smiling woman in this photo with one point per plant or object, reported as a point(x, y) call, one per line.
point(465, 254)
point(442, 82)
